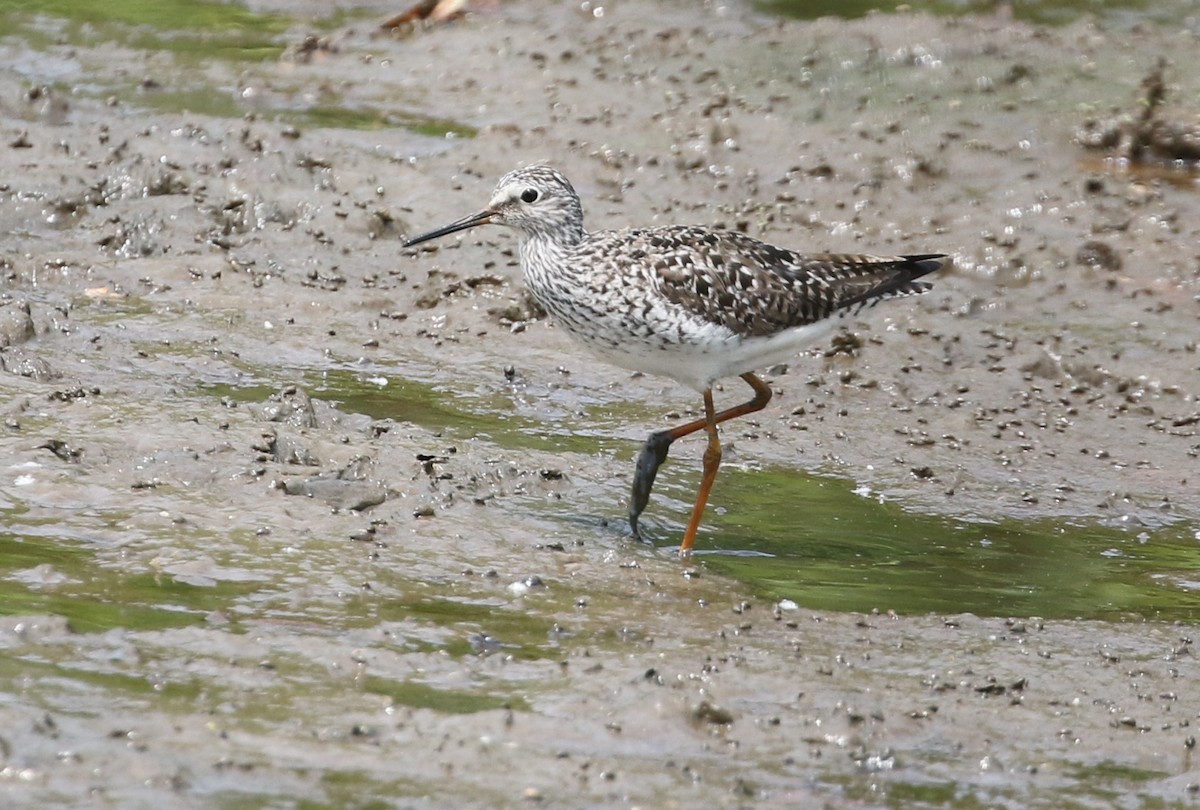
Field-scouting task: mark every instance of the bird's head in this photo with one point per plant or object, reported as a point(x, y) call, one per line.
point(537, 200)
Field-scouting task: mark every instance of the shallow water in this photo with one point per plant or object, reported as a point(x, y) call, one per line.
point(819, 540)
point(825, 545)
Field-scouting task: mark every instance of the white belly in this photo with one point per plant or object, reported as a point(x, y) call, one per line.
point(698, 362)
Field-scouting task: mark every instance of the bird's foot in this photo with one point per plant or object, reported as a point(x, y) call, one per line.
point(653, 454)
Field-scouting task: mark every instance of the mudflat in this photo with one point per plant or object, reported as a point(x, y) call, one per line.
point(294, 517)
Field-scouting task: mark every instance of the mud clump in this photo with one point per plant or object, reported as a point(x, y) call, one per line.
point(1146, 137)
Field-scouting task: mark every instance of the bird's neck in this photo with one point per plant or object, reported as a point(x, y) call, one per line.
point(546, 252)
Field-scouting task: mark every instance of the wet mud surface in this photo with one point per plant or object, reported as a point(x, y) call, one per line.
point(296, 517)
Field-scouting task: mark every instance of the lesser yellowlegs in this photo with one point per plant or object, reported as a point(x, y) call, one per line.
point(689, 303)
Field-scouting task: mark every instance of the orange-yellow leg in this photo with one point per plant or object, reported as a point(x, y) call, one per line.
point(654, 453)
point(712, 462)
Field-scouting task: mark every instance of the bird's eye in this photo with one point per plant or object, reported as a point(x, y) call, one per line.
point(529, 195)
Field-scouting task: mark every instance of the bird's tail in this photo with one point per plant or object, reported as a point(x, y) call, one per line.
point(901, 281)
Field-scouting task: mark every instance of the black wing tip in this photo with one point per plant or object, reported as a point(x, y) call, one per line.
point(922, 264)
point(903, 282)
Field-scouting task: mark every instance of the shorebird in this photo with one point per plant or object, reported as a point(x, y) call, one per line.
point(689, 303)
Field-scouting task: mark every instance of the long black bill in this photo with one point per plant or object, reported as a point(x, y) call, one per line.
point(482, 218)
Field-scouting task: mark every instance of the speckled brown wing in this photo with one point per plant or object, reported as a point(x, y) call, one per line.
point(756, 289)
